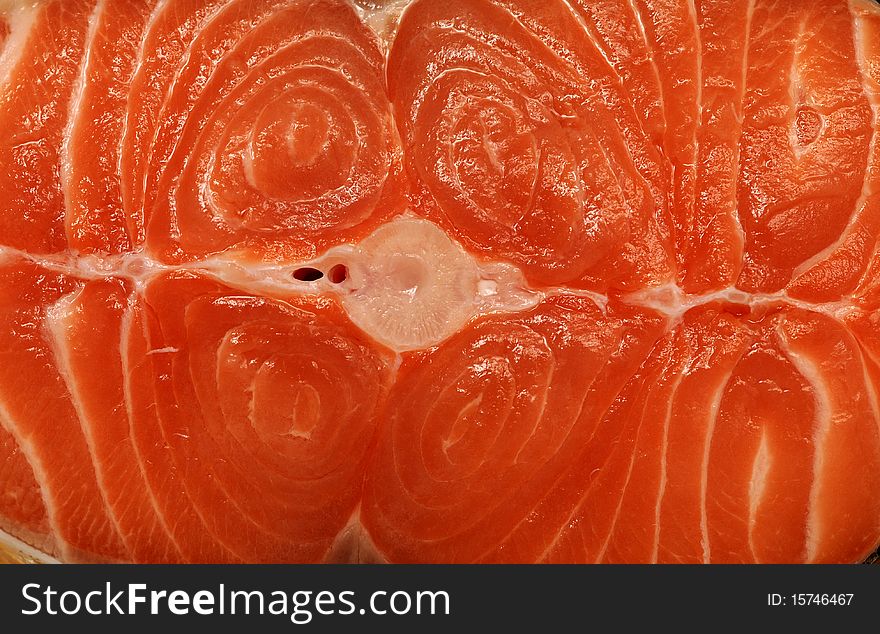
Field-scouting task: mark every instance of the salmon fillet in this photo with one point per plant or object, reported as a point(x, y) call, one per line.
point(464, 281)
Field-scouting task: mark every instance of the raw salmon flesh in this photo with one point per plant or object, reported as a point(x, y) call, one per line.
point(440, 281)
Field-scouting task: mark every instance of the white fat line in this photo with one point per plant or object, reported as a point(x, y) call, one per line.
point(597, 41)
point(760, 469)
point(54, 326)
point(740, 115)
point(166, 349)
point(183, 63)
point(822, 425)
point(670, 300)
point(74, 112)
point(277, 278)
point(184, 486)
point(125, 329)
point(733, 212)
point(135, 266)
point(644, 33)
point(750, 14)
point(632, 462)
point(794, 83)
point(546, 389)
point(698, 121)
point(873, 399)
point(707, 452)
point(158, 10)
point(21, 17)
point(586, 393)
point(37, 468)
point(664, 451)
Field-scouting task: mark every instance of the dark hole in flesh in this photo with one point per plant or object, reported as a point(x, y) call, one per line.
point(338, 274)
point(307, 274)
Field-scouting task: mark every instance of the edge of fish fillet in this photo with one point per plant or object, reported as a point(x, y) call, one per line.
point(353, 542)
point(15, 551)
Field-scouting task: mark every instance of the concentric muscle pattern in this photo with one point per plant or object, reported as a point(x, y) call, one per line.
point(275, 137)
point(515, 153)
point(804, 163)
point(591, 281)
point(271, 421)
point(513, 406)
point(766, 457)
